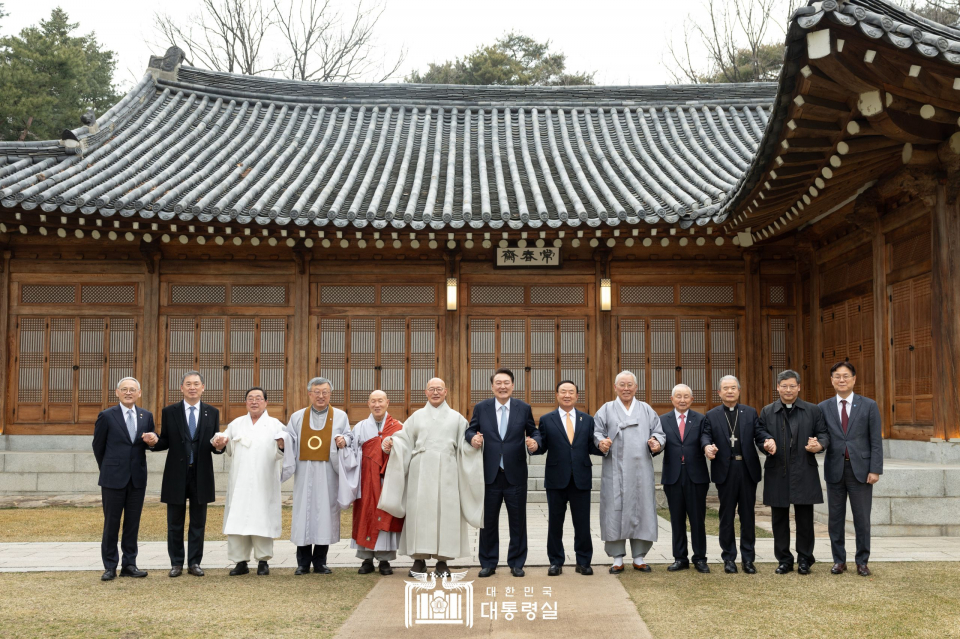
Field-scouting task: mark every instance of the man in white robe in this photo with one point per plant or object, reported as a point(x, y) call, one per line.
point(251, 519)
point(375, 534)
point(435, 479)
point(628, 433)
point(315, 466)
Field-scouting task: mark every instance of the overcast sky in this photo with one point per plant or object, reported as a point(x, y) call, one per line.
point(623, 41)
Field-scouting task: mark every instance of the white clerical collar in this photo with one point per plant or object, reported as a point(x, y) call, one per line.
point(629, 410)
point(730, 408)
point(787, 406)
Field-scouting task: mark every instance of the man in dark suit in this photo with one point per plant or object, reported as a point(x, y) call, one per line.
point(566, 436)
point(853, 464)
point(790, 475)
point(685, 479)
point(730, 432)
point(507, 427)
point(120, 450)
point(188, 428)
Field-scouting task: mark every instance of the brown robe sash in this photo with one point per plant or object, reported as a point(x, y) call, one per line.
point(313, 446)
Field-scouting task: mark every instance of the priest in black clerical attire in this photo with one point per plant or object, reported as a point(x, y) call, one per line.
point(731, 437)
point(790, 474)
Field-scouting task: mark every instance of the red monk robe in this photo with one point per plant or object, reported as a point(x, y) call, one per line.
point(368, 520)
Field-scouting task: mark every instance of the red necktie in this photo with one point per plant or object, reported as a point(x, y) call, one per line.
point(683, 423)
point(844, 421)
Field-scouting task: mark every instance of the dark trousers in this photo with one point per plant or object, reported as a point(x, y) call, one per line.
point(861, 499)
point(803, 515)
point(687, 500)
point(557, 499)
point(317, 555)
point(738, 495)
point(176, 514)
point(126, 503)
point(501, 491)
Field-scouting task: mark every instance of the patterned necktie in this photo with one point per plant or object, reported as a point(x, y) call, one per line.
point(131, 424)
point(683, 425)
point(569, 428)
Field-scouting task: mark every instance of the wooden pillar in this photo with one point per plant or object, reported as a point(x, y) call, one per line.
point(945, 277)
point(604, 375)
point(881, 328)
point(814, 376)
point(448, 366)
point(299, 360)
point(151, 368)
point(7, 341)
point(753, 359)
point(799, 337)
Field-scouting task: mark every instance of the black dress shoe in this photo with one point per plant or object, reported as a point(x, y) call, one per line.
point(195, 570)
point(486, 572)
point(553, 571)
point(701, 567)
point(108, 575)
point(240, 569)
point(441, 570)
point(517, 572)
point(322, 569)
point(730, 567)
point(803, 568)
point(838, 568)
point(783, 569)
point(584, 570)
point(863, 571)
point(366, 567)
point(679, 564)
point(176, 571)
point(132, 571)
point(616, 570)
point(419, 566)
point(263, 568)
point(385, 568)
point(749, 568)
point(302, 570)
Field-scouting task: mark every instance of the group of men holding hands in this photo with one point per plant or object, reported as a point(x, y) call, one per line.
point(416, 486)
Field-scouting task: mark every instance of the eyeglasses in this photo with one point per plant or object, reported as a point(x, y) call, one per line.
point(321, 393)
point(436, 389)
point(792, 387)
point(843, 378)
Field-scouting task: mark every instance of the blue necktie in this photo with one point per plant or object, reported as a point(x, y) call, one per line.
point(192, 423)
point(131, 425)
point(503, 427)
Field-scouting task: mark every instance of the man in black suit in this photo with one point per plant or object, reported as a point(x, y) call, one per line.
point(730, 439)
point(507, 427)
point(685, 479)
point(120, 450)
point(568, 477)
point(188, 428)
point(853, 464)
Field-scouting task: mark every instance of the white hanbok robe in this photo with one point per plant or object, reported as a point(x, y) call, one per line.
point(316, 513)
point(628, 502)
point(253, 491)
point(435, 479)
point(351, 458)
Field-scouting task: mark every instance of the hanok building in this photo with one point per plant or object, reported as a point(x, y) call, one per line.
point(265, 231)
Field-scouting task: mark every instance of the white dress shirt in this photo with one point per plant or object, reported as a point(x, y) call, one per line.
point(186, 414)
point(563, 416)
point(501, 413)
point(849, 400)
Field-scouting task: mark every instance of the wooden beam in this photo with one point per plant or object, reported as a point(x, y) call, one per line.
point(816, 337)
point(299, 363)
point(752, 331)
point(5, 387)
point(946, 309)
point(152, 378)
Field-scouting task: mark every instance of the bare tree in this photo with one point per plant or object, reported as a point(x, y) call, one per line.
point(941, 11)
point(326, 45)
point(736, 36)
point(226, 35)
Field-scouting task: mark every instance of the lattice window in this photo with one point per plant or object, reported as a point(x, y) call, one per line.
point(911, 315)
point(408, 295)
point(543, 360)
point(777, 294)
point(720, 294)
point(45, 294)
point(633, 351)
point(233, 354)
point(778, 352)
point(68, 367)
point(663, 359)
point(723, 351)
point(258, 295)
point(363, 358)
point(333, 356)
point(647, 295)
point(693, 357)
point(573, 355)
point(483, 357)
point(197, 294)
point(118, 294)
point(496, 295)
point(557, 295)
point(513, 350)
point(423, 352)
point(911, 250)
point(348, 295)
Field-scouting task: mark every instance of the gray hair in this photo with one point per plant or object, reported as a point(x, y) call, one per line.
point(616, 380)
point(678, 386)
point(726, 377)
point(123, 379)
point(787, 374)
point(184, 377)
point(319, 381)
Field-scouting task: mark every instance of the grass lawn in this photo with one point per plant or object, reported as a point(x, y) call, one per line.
point(899, 600)
point(712, 523)
point(69, 523)
point(77, 604)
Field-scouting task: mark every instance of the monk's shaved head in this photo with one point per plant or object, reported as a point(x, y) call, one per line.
point(377, 403)
point(436, 392)
point(379, 393)
point(436, 381)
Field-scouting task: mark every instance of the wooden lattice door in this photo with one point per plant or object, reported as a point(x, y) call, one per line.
point(912, 344)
